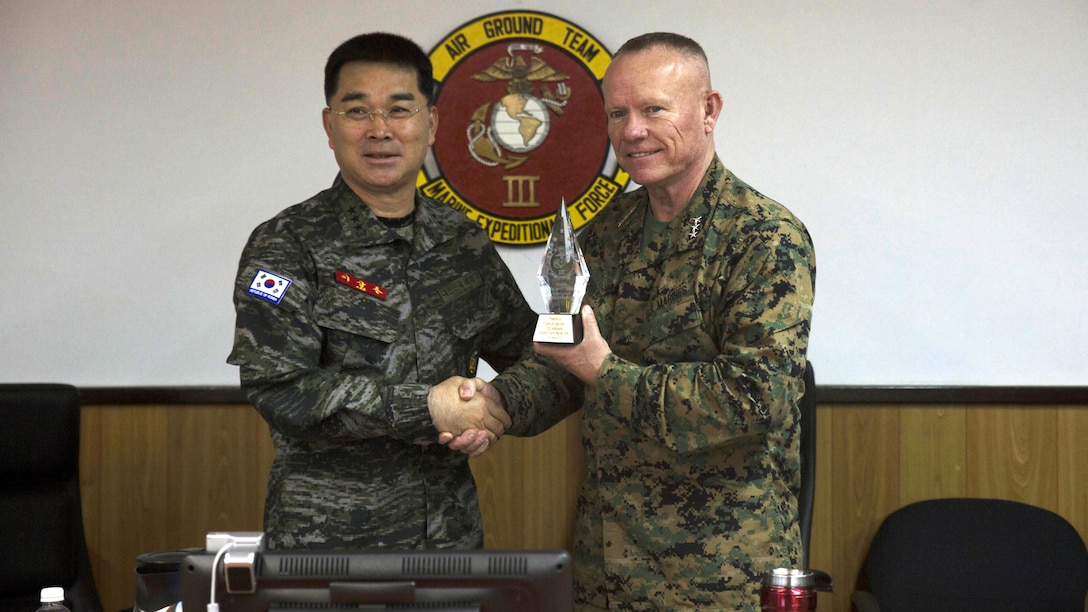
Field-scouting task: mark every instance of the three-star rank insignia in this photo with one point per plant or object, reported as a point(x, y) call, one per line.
point(361, 285)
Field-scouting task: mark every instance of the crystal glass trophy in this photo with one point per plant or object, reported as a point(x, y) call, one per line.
point(563, 277)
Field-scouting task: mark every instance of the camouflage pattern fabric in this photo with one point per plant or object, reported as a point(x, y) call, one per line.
point(340, 369)
point(691, 436)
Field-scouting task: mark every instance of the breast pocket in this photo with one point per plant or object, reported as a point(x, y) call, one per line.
point(675, 330)
point(359, 330)
point(468, 319)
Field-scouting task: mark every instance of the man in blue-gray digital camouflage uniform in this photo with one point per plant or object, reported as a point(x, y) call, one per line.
point(359, 312)
point(689, 377)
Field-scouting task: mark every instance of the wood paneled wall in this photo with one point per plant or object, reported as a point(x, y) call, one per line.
point(158, 477)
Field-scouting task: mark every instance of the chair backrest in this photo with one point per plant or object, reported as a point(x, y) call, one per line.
point(969, 554)
point(808, 461)
point(41, 515)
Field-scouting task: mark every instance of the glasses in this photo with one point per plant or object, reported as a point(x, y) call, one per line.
point(397, 114)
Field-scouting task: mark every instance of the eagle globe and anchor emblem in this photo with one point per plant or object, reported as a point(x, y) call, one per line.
point(522, 125)
point(519, 121)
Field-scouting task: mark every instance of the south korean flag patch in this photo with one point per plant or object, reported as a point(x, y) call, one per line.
point(269, 286)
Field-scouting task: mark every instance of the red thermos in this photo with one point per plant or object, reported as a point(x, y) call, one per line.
point(792, 590)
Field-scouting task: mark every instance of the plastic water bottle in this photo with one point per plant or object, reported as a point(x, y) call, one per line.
point(53, 600)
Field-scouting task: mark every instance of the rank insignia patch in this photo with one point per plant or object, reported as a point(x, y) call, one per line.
point(360, 285)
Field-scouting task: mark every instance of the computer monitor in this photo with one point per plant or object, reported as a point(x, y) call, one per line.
point(431, 580)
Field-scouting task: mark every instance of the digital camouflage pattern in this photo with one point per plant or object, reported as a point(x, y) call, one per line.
point(691, 436)
point(342, 375)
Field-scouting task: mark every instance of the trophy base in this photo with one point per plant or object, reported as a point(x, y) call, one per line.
point(558, 328)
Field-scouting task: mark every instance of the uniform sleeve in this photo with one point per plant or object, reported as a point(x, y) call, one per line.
point(759, 318)
point(278, 347)
point(512, 338)
point(538, 394)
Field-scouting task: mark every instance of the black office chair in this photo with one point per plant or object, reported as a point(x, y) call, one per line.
point(41, 514)
point(972, 555)
point(808, 461)
point(806, 496)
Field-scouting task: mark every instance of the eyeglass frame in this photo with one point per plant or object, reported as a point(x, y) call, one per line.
point(358, 115)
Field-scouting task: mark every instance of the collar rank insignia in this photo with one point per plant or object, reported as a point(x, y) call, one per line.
point(361, 285)
point(695, 224)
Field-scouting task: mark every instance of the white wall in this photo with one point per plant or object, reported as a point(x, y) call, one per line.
point(936, 150)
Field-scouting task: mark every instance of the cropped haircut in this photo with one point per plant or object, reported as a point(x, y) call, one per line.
point(380, 48)
point(668, 40)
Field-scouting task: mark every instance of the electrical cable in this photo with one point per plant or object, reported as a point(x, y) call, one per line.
point(213, 606)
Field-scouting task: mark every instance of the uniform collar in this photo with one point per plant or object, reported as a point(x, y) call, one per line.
point(688, 230)
point(360, 223)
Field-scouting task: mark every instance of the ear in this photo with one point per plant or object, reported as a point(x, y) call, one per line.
point(712, 107)
point(326, 120)
point(433, 110)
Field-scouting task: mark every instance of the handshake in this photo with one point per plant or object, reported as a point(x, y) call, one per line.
point(469, 414)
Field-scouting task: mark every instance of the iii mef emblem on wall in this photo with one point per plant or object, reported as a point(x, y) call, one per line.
point(521, 125)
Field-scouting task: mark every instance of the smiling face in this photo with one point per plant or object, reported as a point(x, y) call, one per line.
point(380, 158)
point(661, 116)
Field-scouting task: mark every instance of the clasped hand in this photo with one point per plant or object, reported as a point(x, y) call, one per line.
point(584, 360)
point(457, 409)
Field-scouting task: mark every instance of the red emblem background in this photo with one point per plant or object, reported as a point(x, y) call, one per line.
point(568, 161)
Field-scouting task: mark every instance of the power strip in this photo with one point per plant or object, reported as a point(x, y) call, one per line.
point(216, 540)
